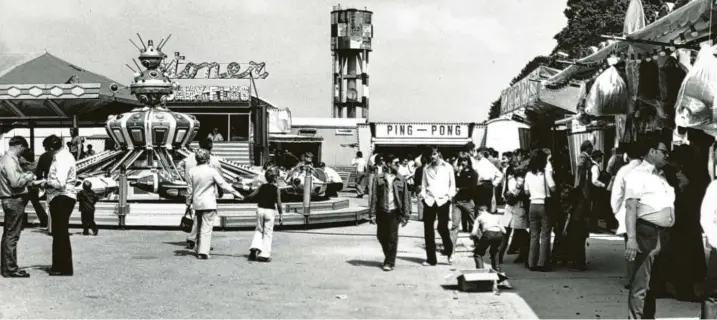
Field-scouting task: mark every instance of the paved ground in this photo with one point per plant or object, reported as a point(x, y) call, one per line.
point(329, 273)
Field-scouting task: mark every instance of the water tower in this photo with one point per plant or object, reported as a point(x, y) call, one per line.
point(351, 33)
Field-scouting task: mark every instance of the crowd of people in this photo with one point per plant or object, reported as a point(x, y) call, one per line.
point(645, 191)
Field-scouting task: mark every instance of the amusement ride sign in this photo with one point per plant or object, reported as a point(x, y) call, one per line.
point(421, 130)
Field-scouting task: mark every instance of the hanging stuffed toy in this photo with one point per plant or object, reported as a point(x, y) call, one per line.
point(608, 95)
point(695, 101)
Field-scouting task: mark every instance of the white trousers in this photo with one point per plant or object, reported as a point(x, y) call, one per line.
point(205, 220)
point(264, 231)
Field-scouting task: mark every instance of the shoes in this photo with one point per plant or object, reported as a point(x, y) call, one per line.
point(16, 274)
point(252, 254)
point(95, 231)
point(263, 259)
point(450, 260)
point(387, 268)
point(190, 244)
point(202, 256)
point(54, 273)
point(427, 264)
point(85, 233)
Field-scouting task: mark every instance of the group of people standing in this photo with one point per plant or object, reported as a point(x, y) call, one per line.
point(56, 174)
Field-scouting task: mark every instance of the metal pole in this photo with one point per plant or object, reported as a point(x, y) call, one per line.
point(308, 177)
point(123, 207)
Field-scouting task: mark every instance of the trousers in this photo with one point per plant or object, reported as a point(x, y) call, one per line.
point(430, 214)
point(387, 234)
point(14, 210)
point(61, 208)
point(264, 232)
point(205, 226)
point(709, 302)
point(540, 229)
point(650, 240)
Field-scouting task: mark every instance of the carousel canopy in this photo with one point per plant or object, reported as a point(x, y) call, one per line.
point(529, 93)
point(686, 25)
point(47, 90)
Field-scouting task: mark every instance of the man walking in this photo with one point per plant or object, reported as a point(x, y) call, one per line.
point(488, 178)
point(438, 187)
point(617, 195)
point(360, 164)
point(390, 205)
point(13, 189)
point(650, 212)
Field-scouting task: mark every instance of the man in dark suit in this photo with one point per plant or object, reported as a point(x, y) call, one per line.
point(390, 204)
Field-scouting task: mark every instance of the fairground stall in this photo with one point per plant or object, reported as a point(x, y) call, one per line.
point(411, 138)
point(659, 81)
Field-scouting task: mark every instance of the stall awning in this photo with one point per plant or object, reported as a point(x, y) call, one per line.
point(424, 141)
point(529, 93)
point(294, 138)
point(694, 15)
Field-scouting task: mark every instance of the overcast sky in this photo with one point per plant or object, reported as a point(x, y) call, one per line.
point(437, 60)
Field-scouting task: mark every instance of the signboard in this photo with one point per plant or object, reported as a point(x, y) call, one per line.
point(422, 130)
point(210, 93)
point(214, 70)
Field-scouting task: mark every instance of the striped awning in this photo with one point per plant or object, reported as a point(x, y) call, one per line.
point(295, 138)
point(423, 141)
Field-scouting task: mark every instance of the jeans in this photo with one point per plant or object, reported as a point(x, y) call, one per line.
point(61, 208)
point(14, 210)
point(489, 240)
point(709, 302)
point(456, 218)
point(540, 228)
point(205, 222)
point(521, 242)
point(466, 210)
point(650, 241)
point(387, 234)
point(430, 213)
point(264, 231)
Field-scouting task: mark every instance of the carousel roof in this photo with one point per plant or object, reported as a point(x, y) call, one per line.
point(43, 86)
point(685, 25)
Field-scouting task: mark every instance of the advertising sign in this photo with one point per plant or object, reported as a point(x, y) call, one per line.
point(421, 130)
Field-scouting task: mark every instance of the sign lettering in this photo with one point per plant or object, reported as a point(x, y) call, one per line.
point(210, 93)
point(211, 70)
point(421, 131)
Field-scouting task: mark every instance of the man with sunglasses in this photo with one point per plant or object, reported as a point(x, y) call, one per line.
point(649, 201)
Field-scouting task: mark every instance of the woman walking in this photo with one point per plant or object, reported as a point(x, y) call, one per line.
point(268, 198)
point(202, 196)
point(515, 219)
point(538, 186)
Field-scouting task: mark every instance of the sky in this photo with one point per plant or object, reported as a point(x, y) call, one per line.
point(432, 61)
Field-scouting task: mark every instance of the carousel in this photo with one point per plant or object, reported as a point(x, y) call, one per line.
point(151, 141)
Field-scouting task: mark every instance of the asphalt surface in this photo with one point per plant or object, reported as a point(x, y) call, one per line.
point(327, 273)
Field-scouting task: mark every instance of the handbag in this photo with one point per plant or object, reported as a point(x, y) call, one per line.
point(187, 222)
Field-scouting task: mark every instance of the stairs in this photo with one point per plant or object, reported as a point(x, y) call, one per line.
point(234, 151)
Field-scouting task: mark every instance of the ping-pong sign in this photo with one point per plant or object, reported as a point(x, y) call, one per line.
point(421, 130)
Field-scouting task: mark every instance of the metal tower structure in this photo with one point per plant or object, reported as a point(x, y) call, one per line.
point(351, 34)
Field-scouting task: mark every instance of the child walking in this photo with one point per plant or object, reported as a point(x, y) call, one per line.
point(87, 199)
point(488, 233)
point(268, 198)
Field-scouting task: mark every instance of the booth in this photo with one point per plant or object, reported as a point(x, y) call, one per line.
point(411, 139)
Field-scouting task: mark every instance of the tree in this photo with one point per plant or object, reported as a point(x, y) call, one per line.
point(494, 109)
point(589, 19)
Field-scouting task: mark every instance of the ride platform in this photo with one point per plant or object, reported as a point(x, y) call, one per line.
point(232, 215)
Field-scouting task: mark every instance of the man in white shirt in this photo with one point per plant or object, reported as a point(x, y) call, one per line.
point(438, 187)
point(650, 212)
point(617, 195)
point(708, 220)
point(360, 164)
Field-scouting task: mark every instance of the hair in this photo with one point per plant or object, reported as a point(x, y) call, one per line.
point(470, 146)
point(586, 145)
point(89, 146)
point(270, 176)
point(389, 158)
point(596, 154)
point(538, 161)
point(633, 150)
point(464, 156)
point(493, 153)
point(202, 156)
point(359, 154)
point(308, 155)
point(53, 142)
point(519, 173)
point(322, 165)
point(87, 185)
point(651, 141)
point(206, 144)
point(508, 154)
point(484, 152)
point(18, 141)
point(268, 164)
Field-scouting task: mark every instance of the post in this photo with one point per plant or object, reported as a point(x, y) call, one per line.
point(308, 177)
point(32, 137)
point(123, 207)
